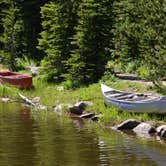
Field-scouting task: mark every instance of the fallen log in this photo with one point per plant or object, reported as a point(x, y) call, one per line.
point(29, 102)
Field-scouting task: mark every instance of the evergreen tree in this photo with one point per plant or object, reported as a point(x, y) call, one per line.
point(11, 29)
point(32, 27)
point(153, 37)
point(58, 21)
point(139, 34)
point(91, 41)
point(126, 28)
point(20, 26)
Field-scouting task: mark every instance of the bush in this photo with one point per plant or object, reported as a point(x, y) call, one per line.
point(143, 72)
point(108, 76)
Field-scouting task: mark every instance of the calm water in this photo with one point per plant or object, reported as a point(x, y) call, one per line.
point(44, 139)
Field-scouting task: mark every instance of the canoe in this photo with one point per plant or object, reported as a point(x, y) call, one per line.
point(134, 102)
point(17, 80)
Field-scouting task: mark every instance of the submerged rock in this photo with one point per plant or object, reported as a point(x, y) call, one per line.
point(144, 128)
point(161, 131)
point(128, 124)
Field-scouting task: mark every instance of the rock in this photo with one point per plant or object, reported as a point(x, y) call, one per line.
point(41, 107)
point(128, 124)
point(35, 73)
point(161, 131)
point(75, 110)
point(34, 70)
point(82, 104)
point(36, 100)
point(60, 88)
point(144, 128)
point(87, 115)
point(58, 109)
point(5, 100)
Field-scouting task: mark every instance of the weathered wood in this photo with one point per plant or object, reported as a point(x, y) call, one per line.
point(29, 102)
point(26, 100)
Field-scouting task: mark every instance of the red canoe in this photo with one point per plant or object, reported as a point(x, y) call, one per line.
point(17, 80)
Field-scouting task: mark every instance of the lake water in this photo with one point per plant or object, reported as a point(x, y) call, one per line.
point(34, 138)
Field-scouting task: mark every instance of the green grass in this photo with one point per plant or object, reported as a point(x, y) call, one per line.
point(50, 96)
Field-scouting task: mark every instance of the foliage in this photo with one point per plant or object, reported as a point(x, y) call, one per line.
point(20, 25)
point(139, 34)
point(8, 91)
point(91, 41)
point(56, 36)
point(24, 62)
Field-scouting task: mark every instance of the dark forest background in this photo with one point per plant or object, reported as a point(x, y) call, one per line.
point(83, 40)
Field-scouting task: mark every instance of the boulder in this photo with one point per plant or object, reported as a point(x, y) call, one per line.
point(161, 131)
point(144, 128)
point(128, 124)
point(83, 104)
point(75, 110)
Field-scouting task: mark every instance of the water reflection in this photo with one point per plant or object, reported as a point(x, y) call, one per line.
point(44, 139)
point(16, 137)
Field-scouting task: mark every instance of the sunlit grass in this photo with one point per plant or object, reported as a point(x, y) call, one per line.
point(50, 96)
point(8, 91)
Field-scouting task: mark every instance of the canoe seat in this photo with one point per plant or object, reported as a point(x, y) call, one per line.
point(127, 96)
point(117, 95)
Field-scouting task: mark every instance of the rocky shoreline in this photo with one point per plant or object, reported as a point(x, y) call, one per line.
point(143, 129)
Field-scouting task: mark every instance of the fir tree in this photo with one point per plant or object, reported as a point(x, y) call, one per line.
point(91, 41)
point(58, 21)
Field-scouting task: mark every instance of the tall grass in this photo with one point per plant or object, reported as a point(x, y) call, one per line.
point(8, 91)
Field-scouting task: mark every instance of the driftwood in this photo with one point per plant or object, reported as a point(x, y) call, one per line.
point(29, 102)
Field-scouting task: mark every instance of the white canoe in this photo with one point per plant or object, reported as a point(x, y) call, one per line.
point(134, 102)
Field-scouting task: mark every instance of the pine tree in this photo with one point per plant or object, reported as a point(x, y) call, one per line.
point(153, 37)
point(126, 28)
point(20, 26)
point(139, 34)
point(58, 22)
point(11, 28)
point(91, 41)
point(32, 27)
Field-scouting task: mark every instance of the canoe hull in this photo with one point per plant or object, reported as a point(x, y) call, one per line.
point(158, 106)
point(16, 80)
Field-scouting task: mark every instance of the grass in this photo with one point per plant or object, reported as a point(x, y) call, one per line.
point(50, 96)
